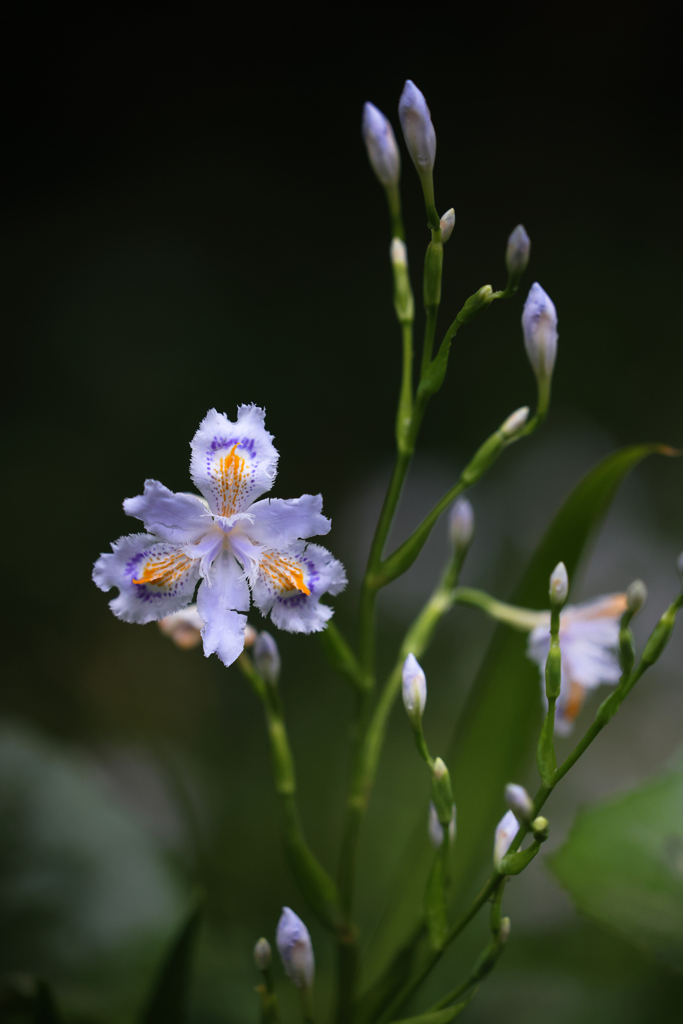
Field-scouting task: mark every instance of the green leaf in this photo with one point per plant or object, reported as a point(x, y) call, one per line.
point(437, 1017)
point(85, 895)
point(623, 866)
point(435, 903)
point(497, 732)
point(168, 1000)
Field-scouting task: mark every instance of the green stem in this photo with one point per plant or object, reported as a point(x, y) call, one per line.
point(523, 619)
point(435, 955)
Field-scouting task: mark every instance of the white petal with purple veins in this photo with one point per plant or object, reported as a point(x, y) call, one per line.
point(233, 464)
point(277, 522)
point(283, 578)
point(220, 599)
point(166, 577)
point(177, 518)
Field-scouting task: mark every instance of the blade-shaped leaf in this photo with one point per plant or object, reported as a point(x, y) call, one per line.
point(437, 1017)
point(623, 866)
point(495, 737)
point(168, 1000)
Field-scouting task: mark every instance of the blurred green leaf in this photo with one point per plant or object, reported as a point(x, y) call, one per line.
point(437, 1017)
point(623, 866)
point(85, 897)
point(168, 1000)
point(495, 738)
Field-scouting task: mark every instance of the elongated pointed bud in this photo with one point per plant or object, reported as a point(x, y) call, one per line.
point(559, 585)
point(475, 304)
point(441, 792)
point(679, 565)
point(461, 525)
point(404, 303)
point(504, 930)
point(419, 134)
point(267, 658)
point(435, 828)
point(515, 421)
point(517, 256)
point(447, 223)
point(262, 954)
point(380, 143)
point(519, 802)
point(539, 324)
point(661, 634)
point(636, 596)
point(506, 830)
point(296, 951)
point(414, 687)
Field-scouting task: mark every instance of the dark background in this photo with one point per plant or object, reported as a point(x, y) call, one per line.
point(189, 221)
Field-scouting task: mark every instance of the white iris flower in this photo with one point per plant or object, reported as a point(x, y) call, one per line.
point(589, 641)
point(228, 540)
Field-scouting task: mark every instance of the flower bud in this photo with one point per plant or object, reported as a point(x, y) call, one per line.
point(414, 687)
point(539, 324)
point(249, 636)
point(506, 830)
point(636, 596)
point(398, 253)
point(540, 828)
point(559, 585)
point(514, 423)
point(517, 255)
point(296, 951)
point(262, 954)
point(267, 658)
point(679, 565)
point(519, 802)
point(504, 930)
point(435, 828)
point(447, 223)
point(419, 134)
point(183, 628)
point(442, 792)
point(461, 525)
point(381, 145)
point(475, 304)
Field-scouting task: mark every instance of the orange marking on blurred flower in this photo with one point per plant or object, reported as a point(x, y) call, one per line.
point(285, 573)
point(574, 704)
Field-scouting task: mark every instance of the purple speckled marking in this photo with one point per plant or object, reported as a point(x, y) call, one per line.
point(245, 442)
point(132, 565)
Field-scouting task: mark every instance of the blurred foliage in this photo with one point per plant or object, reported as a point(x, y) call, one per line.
point(85, 896)
point(623, 866)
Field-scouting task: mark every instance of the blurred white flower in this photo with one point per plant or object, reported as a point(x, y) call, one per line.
point(589, 641)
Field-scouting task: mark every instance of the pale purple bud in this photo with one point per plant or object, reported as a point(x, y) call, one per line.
point(559, 585)
point(414, 687)
point(419, 133)
point(636, 596)
point(435, 828)
point(381, 145)
point(294, 946)
point(504, 929)
point(519, 802)
point(267, 658)
point(461, 524)
point(517, 253)
point(447, 223)
point(262, 954)
point(539, 324)
point(506, 830)
point(515, 421)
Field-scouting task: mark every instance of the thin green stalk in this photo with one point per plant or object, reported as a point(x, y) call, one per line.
point(434, 955)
